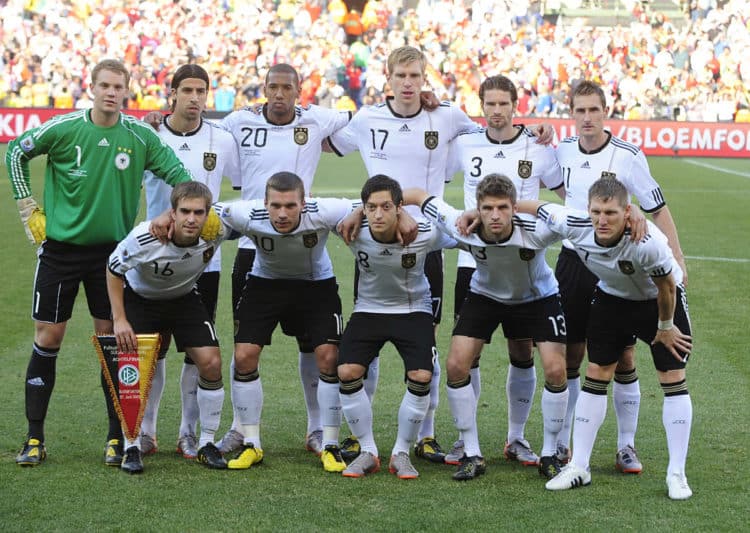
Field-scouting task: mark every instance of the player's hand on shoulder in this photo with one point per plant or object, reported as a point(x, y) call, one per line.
point(154, 119)
point(213, 228)
point(348, 227)
point(407, 229)
point(637, 223)
point(544, 133)
point(429, 100)
point(162, 227)
point(468, 222)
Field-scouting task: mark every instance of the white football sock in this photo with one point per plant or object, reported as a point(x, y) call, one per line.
point(308, 375)
point(373, 374)
point(210, 403)
point(464, 410)
point(574, 389)
point(589, 416)
point(151, 413)
point(626, 398)
point(247, 397)
point(189, 399)
point(677, 417)
point(554, 405)
point(427, 429)
point(358, 413)
point(236, 423)
point(410, 414)
point(330, 411)
point(519, 389)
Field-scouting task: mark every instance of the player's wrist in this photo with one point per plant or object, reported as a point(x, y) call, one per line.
point(665, 325)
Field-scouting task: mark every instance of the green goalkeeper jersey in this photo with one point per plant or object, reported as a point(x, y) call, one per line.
point(92, 184)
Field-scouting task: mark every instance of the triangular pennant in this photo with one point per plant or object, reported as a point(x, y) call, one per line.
point(129, 377)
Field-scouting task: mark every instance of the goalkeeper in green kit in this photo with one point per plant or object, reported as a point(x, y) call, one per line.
point(95, 165)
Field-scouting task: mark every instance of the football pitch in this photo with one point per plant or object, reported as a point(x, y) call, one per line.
point(289, 491)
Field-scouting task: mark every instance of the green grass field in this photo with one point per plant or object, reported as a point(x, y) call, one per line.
point(73, 490)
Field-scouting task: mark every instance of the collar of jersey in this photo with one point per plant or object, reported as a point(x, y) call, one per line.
point(265, 116)
point(596, 150)
point(479, 234)
point(388, 103)
point(181, 133)
point(507, 141)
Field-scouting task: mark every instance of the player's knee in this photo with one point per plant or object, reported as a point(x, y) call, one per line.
point(626, 362)
point(351, 372)
point(555, 374)
point(327, 358)
point(246, 357)
point(49, 335)
point(456, 368)
point(421, 376)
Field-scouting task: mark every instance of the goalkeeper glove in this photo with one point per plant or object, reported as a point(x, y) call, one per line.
point(34, 221)
point(213, 228)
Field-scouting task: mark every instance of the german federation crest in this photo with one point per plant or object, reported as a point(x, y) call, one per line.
point(608, 175)
point(524, 169)
point(209, 161)
point(300, 136)
point(408, 260)
point(431, 139)
point(526, 254)
point(310, 240)
point(626, 267)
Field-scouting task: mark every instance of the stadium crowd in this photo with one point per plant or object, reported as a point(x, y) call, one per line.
point(698, 70)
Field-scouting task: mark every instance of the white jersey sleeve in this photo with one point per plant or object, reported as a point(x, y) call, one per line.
point(624, 269)
point(300, 254)
point(158, 271)
point(511, 272)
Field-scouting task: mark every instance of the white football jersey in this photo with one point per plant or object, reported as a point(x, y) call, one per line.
point(266, 148)
point(618, 159)
point(413, 150)
point(158, 271)
point(625, 269)
point(209, 153)
point(510, 272)
point(521, 159)
point(391, 276)
point(300, 254)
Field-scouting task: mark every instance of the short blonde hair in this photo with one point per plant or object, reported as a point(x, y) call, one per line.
point(405, 55)
point(112, 65)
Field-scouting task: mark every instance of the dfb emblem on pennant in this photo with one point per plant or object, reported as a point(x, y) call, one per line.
point(300, 136)
point(408, 260)
point(431, 139)
point(208, 254)
point(526, 254)
point(209, 161)
point(310, 240)
point(608, 175)
point(626, 267)
point(524, 169)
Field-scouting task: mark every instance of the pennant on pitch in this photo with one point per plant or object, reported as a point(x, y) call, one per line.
point(129, 377)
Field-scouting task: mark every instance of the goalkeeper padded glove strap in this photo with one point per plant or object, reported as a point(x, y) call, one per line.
point(213, 228)
point(34, 221)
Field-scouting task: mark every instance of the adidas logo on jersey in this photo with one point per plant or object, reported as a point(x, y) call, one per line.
point(386, 252)
point(104, 142)
point(586, 165)
point(404, 129)
point(184, 147)
point(500, 155)
point(37, 382)
point(186, 256)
